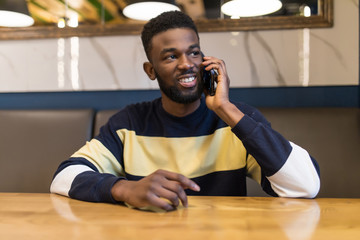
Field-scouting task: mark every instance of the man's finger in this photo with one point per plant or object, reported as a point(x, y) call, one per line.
point(176, 188)
point(162, 203)
point(171, 196)
point(185, 182)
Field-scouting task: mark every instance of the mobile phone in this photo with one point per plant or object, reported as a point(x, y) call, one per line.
point(209, 79)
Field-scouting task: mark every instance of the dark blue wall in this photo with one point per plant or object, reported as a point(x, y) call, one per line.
point(340, 96)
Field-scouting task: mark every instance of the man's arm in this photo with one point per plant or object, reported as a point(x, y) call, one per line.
point(95, 173)
point(289, 168)
point(89, 174)
point(162, 189)
point(220, 103)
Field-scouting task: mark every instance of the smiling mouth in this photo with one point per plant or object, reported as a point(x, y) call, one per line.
point(187, 80)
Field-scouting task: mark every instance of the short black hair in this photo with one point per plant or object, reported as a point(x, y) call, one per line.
point(162, 23)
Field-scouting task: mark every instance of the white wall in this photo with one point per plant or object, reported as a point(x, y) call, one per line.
point(315, 57)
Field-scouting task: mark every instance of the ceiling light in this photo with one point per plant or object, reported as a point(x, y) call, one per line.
point(14, 13)
point(250, 8)
point(305, 11)
point(145, 10)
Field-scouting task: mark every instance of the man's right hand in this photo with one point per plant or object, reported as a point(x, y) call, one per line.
point(162, 189)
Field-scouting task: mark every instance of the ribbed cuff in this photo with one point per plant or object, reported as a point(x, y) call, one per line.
point(105, 188)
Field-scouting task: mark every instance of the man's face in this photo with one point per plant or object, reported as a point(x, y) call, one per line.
point(176, 58)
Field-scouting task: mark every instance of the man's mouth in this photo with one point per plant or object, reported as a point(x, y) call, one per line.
point(188, 82)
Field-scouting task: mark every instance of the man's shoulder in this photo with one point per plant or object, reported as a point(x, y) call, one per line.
point(139, 107)
point(132, 116)
point(134, 111)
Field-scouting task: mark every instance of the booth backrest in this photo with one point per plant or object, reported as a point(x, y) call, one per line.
point(34, 142)
point(101, 118)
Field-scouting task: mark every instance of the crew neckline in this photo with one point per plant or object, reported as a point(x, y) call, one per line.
point(202, 107)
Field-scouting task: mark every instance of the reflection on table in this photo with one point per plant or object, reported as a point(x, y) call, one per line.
point(40, 216)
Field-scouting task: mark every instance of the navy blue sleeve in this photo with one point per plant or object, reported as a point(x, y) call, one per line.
point(90, 184)
point(268, 147)
point(93, 187)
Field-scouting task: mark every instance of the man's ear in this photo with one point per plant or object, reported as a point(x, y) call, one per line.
point(149, 70)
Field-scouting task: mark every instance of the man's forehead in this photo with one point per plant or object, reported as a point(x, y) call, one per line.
point(173, 38)
point(173, 49)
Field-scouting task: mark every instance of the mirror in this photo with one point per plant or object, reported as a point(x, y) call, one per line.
point(46, 26)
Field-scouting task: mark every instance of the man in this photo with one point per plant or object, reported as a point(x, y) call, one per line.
point(154, 154)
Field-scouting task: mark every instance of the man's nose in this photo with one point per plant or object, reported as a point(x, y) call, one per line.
point(185, 62)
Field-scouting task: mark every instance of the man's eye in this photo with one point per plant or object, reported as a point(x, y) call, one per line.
point(171, 57)
point(195, 53)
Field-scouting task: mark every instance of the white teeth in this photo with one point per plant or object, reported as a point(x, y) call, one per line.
point(186, 80)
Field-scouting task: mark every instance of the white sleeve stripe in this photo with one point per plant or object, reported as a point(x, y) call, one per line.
point(297, 177)
point(63, 180)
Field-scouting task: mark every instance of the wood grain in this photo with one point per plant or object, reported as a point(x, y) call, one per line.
point(49, 216)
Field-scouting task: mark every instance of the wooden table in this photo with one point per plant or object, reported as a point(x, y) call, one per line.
point(49, 216)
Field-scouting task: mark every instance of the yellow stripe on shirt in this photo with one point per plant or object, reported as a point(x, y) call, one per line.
point(190, 156)
point(96, 153)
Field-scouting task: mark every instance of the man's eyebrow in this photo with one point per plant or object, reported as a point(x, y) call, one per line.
point(194, 46)
point(166, 50)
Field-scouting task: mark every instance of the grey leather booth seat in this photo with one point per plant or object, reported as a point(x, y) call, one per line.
point(34, 142)
point(101, 118)
point(331, 135)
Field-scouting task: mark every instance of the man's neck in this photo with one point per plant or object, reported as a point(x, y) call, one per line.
point(179, 109)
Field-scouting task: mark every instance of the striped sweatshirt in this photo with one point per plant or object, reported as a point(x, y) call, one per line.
point(143, 137)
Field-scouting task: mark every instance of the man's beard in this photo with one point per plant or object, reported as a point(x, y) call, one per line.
point(177, 95)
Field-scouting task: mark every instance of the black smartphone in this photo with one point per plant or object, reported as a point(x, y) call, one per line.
point(209, 79)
